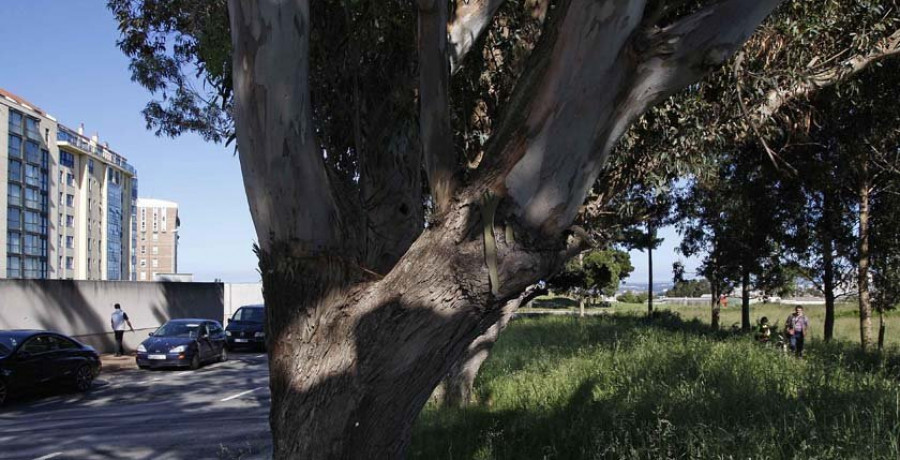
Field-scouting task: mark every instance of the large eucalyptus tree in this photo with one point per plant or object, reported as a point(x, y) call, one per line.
point(366, 310)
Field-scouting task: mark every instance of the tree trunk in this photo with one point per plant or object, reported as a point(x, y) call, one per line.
point(456, 390)
point(828, 285)
point(650, 274)
point(353, 355)
point(745, 300)
point(715, 303)
point(881, 328)
point(826, 234)
point(865, 306)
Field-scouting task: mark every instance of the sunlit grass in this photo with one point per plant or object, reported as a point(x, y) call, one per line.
point(622, 386)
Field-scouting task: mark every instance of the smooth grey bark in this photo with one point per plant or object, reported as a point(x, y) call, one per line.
point(353, 357)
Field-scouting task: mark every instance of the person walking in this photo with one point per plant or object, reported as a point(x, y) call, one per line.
point(796, 326)
point(118, 320)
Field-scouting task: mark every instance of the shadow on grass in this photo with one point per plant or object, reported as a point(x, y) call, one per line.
point(661, 387)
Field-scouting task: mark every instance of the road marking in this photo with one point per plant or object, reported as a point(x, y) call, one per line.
point(240, 394)
point(49, 456)
point(184, 372)
point(259, 356)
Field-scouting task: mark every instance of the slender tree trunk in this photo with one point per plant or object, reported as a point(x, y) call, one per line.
point(745, 300)
point(881, 328)
point(865, 306)
point(826, 234)
point(715, 302)
point(828, 285)
point(650, 274)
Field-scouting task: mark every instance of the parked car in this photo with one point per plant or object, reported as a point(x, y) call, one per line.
point(246, 328)
point(183, 343)
point(32, 358)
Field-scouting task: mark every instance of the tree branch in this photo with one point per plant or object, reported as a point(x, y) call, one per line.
point(846, 69)
point(434, 102)
point(472, 18)
point(288, 189)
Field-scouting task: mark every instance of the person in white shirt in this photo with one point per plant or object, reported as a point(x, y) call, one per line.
point(118, 320)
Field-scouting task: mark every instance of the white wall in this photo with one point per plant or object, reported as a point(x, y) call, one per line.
point(240, 294)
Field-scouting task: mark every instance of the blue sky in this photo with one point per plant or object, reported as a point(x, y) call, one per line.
point(62, 56)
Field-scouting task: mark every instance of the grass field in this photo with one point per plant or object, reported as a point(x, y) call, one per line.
point(846, 325)
point(623, 386)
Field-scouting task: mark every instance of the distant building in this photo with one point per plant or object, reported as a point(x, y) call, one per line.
point(157, 246)
point(69, 201)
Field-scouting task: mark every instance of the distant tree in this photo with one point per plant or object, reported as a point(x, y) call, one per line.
point(593, 271)
point(689, 288)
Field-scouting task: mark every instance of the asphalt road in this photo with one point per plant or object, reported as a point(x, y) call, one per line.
point(217, 412)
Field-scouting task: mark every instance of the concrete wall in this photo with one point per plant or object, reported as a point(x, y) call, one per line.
point(81, 309)
point(240, 294)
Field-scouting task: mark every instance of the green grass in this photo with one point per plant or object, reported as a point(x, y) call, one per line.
point(622, 386)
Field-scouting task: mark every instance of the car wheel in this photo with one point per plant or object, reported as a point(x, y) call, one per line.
point(3, 392)
point(223, 356)
point(84, 378)
point(195, 362)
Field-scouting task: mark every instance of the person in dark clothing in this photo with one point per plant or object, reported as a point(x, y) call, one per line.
point(797, 326)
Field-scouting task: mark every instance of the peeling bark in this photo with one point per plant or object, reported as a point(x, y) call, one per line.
point(434, 103)
point(472, 18)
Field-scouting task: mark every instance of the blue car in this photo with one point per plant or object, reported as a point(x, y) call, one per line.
point(31, 359)
point(183, 343)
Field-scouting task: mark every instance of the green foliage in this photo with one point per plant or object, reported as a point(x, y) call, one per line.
point(632, 297)
point(689, 288)
point(628, 387)
point(597, 270)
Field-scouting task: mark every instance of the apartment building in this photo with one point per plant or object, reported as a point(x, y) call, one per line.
point(70, 201)
point(157, 230)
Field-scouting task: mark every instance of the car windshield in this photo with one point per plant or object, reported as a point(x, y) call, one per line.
point(255, 315)
point(7, 344)
point(187, 330)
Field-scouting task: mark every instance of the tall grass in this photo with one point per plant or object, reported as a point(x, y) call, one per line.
point(624, 386)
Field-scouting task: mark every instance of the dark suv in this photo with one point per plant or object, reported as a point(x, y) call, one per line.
point(246, 328)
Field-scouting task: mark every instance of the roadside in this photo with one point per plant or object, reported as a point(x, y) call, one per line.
point(112, 363)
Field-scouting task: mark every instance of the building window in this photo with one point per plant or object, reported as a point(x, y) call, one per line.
point(13, 242)
point(70, 221)
point(32, 152)
point(143, 276)
point(13, 266)
point(13, 219)
point(66, 159)
point(70, 200)
point(45, 159)
point(32, 198)
point(155, 250)
point(155, 263)
point(33, 245)
point(31, 128)
point(32, 222)
point(143, 249)
point(91, 165)
point(70, 242)
point(32, 269)
point(15, 121)
point(15, 170)
point(70, 263)
point(155, 237)
point(33, 175)
point(143, 263)
point(14, 194)
point(70, 179)
point(15, 146)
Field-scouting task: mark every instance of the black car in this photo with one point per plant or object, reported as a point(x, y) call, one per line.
point(183, 343)
point(30, 358)
point(246, 327)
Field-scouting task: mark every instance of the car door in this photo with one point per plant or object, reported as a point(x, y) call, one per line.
point(205, 345)
point(217, 338)
point(32, 367)
point(65, 357)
